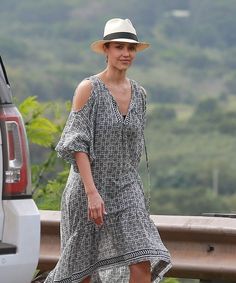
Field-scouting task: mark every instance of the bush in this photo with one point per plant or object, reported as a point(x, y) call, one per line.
point(228, 124)
point(165, 94)
point(207, 106)
point(48, 173)
point(230, 83)
point(162, 114)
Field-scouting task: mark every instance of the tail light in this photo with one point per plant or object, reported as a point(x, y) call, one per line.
point(17, 181)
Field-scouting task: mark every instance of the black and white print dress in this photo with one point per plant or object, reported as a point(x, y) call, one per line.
point(114, 145)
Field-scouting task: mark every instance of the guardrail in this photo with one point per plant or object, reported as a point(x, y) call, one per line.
point(201, 247)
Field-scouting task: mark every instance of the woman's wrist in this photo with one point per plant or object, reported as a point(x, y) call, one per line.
point(90, 190)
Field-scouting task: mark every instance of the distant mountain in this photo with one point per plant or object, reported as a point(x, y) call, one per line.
point(45, 45)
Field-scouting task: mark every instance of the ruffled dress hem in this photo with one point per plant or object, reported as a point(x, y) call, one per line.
point(159, 261)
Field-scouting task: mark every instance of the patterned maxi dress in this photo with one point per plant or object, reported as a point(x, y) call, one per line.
point(114, 145)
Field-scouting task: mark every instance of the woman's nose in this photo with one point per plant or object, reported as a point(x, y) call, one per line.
point(126, 52)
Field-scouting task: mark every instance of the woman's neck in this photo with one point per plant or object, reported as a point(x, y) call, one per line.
point(113, 76)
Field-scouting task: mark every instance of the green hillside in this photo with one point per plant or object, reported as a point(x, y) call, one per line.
point(189, 73)
point(46, 45)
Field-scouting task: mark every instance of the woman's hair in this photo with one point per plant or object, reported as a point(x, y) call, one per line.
point(107, 44)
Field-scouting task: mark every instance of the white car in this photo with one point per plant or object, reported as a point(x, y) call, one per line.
point(19, 216)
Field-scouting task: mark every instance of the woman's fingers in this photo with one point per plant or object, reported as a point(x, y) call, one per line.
point(96, 214)
point(98, 221)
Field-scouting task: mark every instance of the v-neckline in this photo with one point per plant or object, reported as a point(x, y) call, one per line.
point(121, 115)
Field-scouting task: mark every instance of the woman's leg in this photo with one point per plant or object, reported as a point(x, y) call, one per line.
point(140, 272)
point(86, 280)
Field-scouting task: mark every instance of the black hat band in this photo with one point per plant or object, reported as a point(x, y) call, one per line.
point(117, 35)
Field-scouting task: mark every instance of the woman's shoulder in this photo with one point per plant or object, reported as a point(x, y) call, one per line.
point(87, 90)
point(140, 94)
point(81, 95)
point(138, 87)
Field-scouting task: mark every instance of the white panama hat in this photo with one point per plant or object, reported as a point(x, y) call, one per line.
point(118, 30)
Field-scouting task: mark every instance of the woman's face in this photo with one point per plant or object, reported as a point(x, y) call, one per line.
point(120, 55)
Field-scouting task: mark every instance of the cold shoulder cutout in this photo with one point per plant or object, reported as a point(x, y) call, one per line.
point(78, 133)
point(82, 95)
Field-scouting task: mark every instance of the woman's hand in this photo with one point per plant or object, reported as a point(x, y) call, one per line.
point(96, 208)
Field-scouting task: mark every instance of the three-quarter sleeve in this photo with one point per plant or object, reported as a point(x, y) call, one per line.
point(77, 136)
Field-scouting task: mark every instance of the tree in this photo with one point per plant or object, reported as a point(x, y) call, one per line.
point(49, 174)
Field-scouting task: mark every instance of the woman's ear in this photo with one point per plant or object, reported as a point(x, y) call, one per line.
point(105, 47)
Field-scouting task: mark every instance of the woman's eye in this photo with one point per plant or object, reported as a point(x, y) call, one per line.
point(132, 48)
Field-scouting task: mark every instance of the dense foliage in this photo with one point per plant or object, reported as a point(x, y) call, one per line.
point(189, 74)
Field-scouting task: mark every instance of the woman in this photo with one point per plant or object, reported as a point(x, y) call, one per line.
point(107, 235)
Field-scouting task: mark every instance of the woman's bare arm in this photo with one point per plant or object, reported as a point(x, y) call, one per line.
point(96, 208)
